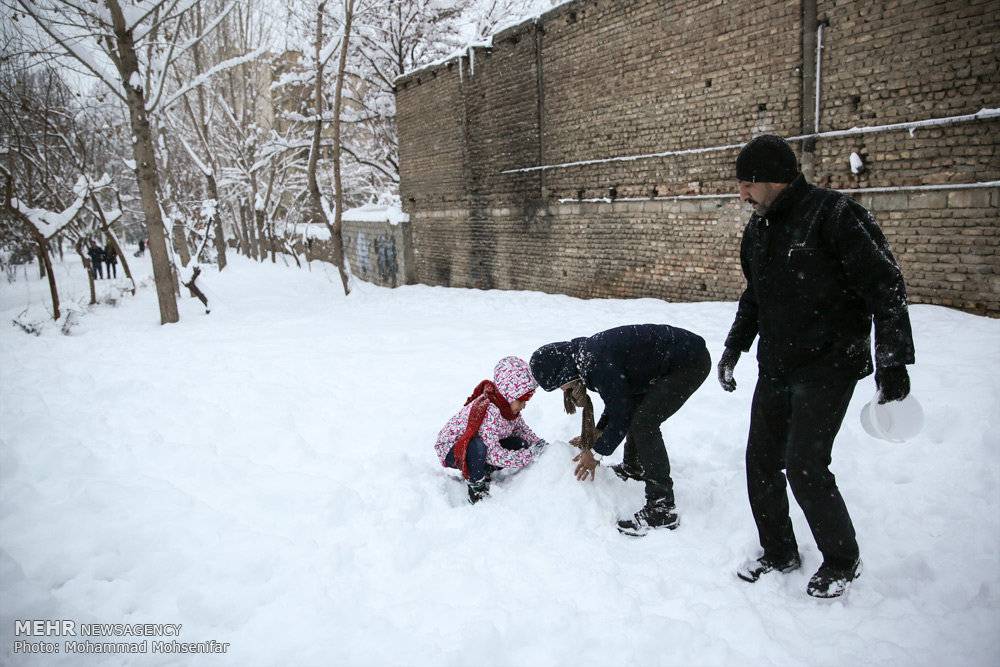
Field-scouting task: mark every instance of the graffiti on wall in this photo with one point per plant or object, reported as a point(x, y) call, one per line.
point(377, 258)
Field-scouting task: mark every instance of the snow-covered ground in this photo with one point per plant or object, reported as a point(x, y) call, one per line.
point(265, 476)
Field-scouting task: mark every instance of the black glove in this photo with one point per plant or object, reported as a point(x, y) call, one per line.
point(893, 384)
point(727, 364)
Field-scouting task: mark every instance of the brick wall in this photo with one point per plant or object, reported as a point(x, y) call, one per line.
point(598, 78)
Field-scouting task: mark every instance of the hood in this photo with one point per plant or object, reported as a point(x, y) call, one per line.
point(513, 378)
point(553, 365)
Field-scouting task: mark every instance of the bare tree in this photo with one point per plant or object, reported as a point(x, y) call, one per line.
point(336, 229)
point(51, 143)
point(143, 42)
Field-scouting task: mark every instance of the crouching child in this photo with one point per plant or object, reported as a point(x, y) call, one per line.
point(488, 433)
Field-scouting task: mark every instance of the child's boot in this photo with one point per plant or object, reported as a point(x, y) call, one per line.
point(479, 490)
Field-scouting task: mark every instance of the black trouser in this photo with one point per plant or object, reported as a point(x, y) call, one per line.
point(98, 273)
point(111, 268)
point(475, 456)
point(644, 447)
point(792, 427)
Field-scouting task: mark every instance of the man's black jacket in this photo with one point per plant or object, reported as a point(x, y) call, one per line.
point(818, 270)
point(621, 364)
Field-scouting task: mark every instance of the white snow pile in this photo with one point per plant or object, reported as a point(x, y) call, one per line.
point(265, 476)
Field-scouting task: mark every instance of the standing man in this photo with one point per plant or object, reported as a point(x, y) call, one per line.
point(818, 271)
point(644, 373)
point(96, 259)
point(111, 260)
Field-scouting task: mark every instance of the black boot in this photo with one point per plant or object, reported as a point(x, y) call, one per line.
point(655, 514)
point(832, 581)
point(753, 569)
point(626, 472)
point(479, 490)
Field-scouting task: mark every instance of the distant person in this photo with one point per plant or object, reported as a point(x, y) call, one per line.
point(96, 260)
point(489, 433)
point(644, 373)
point(111, 260)
point(142, 246)
point(818, 271)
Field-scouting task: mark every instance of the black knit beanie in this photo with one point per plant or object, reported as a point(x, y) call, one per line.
point(553, 365)
point(767, 159)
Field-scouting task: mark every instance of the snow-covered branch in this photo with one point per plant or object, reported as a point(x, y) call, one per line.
point(205, 77)
point(49, 223)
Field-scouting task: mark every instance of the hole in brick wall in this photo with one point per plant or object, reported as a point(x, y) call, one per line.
point(515, 39)
point(708, 83)
point(613, 192)
point(654, 193)
point(571, 18)
point(564, 273)
point(762, 106)
point(855, 102)
point(579, 193)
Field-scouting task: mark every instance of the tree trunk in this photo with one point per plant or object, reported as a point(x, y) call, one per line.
point(337, 232)
point(258, 220)
point(41, 263)
point(90, 271)
point(251, 232)
point(43, 252)
point(315, 211)
point(181, 243)
point(145, 167)
point(43, 257)
point(216, 222)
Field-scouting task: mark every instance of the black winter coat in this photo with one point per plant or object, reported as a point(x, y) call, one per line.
point(620, 365)
point(818, 271)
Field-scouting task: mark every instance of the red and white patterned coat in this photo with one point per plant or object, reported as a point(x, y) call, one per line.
point(513, 379)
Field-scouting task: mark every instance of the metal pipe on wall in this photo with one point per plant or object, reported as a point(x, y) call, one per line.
point(819, 72)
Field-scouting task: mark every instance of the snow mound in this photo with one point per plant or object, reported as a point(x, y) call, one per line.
point(265, 476)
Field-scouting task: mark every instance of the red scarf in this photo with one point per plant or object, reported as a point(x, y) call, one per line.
point(485, 393)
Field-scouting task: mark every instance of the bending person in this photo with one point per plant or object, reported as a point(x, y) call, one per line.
point(644, 373)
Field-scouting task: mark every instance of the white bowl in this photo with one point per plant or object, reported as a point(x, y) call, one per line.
point(895, 421)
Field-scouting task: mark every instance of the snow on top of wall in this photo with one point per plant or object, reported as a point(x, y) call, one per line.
point(434, 64)
point(481, 44)
point(377, 213)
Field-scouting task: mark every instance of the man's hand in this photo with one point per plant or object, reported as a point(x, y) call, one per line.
point(893, 384)
point(577, 441)
point(727, 364)
point(586, 465)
